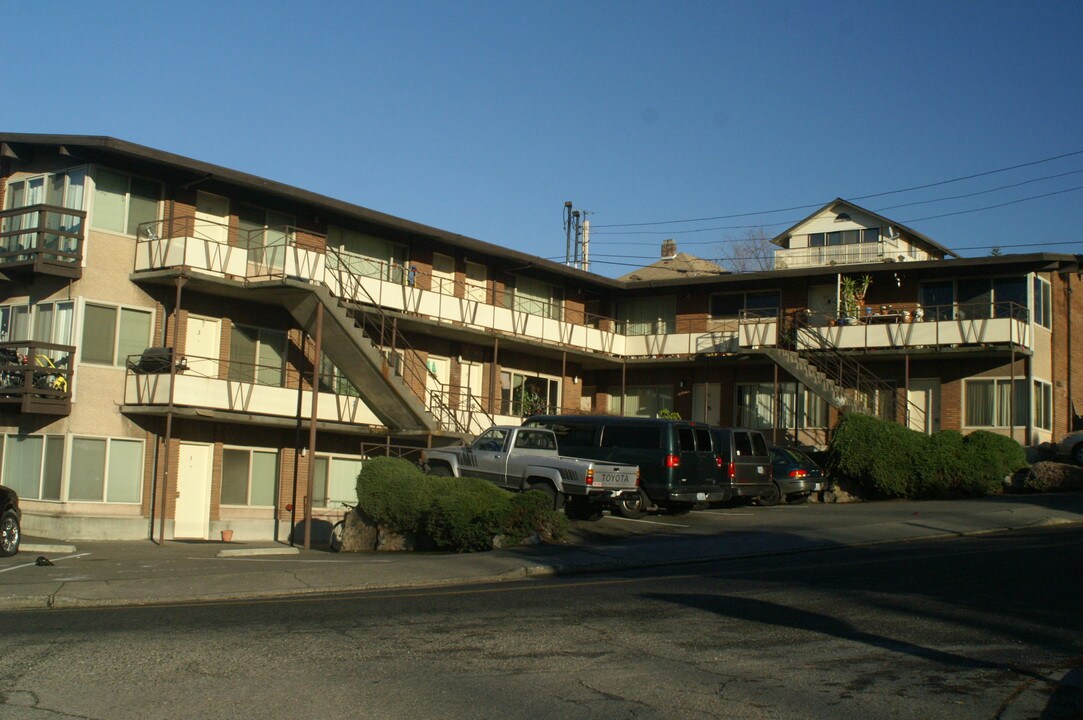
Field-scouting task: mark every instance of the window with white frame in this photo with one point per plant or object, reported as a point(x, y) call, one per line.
point(47, 322)
point(100, 469)
point(60, 189)
point(333, 381)
point(1043, 303)
point(643, 400)
point(112, 333)
point(257, 355)
point(368, 255)
point(536, 297)
point(249, 476)
point(992, 403)
point(525, 394)
point(799, 406)
point(106, 470)
point(1043, 405)
point(844, 237)
point(33, 465)
point(335, 481)
point(123, 202)
point(647, 316)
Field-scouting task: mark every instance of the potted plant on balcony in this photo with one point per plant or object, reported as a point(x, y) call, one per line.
point(852, 297)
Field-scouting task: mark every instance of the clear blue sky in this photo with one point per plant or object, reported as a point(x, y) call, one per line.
point(482, 118)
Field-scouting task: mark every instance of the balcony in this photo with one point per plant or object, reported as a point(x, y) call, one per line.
point(42, 239)
point(36, 378)
point(883, 251)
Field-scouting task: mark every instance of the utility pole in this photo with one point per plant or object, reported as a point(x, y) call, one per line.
point(585, 265)
point(577, 237)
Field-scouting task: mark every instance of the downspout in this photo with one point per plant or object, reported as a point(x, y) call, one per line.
point(169, 408)
point(312, 426)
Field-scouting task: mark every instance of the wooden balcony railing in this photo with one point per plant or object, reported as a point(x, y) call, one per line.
point(42, 239)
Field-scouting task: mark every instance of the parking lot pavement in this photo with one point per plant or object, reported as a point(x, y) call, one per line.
point(140, 572)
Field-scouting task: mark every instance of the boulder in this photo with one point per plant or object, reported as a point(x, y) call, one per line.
point(360, 533)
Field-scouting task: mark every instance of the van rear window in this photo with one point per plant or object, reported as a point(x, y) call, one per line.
point(686, 439)
point(703, 439)
point(759, 443)
point(628, 436)
point(742, 443)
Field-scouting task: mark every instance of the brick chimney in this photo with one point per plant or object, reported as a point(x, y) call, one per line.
point(669, 249)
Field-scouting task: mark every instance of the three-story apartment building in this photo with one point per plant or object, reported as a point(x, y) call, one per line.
point(186, 348)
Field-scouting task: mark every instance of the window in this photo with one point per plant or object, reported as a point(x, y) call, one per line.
point(106, 469)
point(647, 316)
point(333, 381)
point(631, 436)
point(755, 304)
point(249, 477)
point(1043, 405)
point(123, 202)
point(63, 189)
point(989, 403)
point(335, 481)
point(981, 298)
point(111, 334)
point(938, 300)
point(1043, 303)
point(525, 395)
point(47, 322)
point(257, 355)
point(369, 256)
point(643, 401)
point(33, 465)
point(799, 406)
point(265, 234)
point(536, 297)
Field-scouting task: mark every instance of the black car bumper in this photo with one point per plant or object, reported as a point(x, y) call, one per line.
point(706, 495)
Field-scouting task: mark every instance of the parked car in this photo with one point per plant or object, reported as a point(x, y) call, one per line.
point(10, 518)
point(677, 462)
point(796, 476)
point(744, 462)
point(520, 458)
point(1071, 447)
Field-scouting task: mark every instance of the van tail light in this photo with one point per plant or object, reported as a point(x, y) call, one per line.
point(637, 477)
point(799, 473)
point(590, 476)
point(673, 461)
point(733, 470)
point(718, 461)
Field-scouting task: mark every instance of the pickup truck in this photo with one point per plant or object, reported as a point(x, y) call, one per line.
point(519, 458)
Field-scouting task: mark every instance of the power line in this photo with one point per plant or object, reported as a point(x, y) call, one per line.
point(860, 197)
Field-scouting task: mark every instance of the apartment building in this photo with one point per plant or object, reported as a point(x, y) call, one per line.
point(186, 348)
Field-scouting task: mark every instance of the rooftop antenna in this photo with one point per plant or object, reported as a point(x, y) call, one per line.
point(571, 234)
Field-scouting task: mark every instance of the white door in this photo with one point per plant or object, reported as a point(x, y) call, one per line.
point(212, 217)
point(822, 304)
point(924, 405)
point(202, 344)
point(193, 513)
point(471, 400)
point(443, 274)
point(706, 399)
point(440, 367)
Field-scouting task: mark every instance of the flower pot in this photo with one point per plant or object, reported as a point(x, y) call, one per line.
point(227, 536)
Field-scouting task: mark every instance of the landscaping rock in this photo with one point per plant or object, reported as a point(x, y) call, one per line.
point(389, 541)
point(360, 534)
point(1050, 477)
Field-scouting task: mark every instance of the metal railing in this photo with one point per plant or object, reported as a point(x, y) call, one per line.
point(42, 234)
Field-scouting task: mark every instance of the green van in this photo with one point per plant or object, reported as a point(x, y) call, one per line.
point(677, 462)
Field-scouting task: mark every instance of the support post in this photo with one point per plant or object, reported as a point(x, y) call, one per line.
point(169, 408)
point(312, 426)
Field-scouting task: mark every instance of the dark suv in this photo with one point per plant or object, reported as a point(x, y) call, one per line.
point(745, 462)
point(677, 463)
point(9, 522)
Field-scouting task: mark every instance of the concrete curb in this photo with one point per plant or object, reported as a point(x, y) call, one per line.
point(249, 552)
point(46, 548)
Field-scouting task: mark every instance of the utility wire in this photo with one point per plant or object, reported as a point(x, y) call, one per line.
point(860, 197)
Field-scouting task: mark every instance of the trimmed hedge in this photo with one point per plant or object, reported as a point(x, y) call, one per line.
point(888, 460)
point(461, 514)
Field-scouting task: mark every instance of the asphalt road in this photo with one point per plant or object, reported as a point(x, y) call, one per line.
point(982, 627)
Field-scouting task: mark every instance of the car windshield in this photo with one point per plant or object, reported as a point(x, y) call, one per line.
point(793, 455)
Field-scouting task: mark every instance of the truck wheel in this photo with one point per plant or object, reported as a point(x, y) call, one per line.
point(9, 533)
point(771, 497)
point(582, 509)
point(440, 471)
point(633, 508)
point(556, 500)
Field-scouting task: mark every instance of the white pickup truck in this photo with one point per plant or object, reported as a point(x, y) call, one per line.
point(527, 459)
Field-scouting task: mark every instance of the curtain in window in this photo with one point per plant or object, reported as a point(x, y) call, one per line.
point(979, 403)
point(54, 468)
point(234, 477)
point(125, 471)
point(242, 353)
point(134, 333)
point(22, 465)
point(264, 477)
point(87, 481)
point(99, 328)
point(272, 358)
point(110, 191)
point(342, 483)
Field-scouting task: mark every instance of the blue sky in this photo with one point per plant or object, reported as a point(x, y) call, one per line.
point(483, 118)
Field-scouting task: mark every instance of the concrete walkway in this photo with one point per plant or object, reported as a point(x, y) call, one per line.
point(96, 573)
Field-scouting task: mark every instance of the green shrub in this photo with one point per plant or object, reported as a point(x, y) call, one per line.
point(888, 460)
point(461, 514)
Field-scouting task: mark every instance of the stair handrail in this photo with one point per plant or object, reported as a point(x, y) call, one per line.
point(854, 379)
